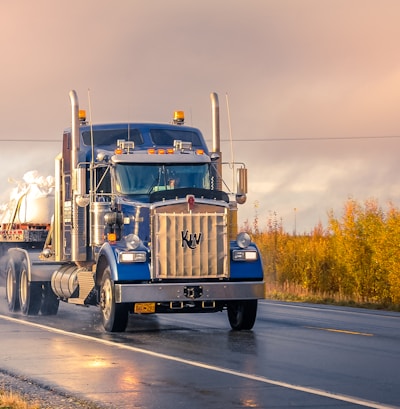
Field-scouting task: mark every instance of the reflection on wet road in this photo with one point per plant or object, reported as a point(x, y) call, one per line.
point(296, 355)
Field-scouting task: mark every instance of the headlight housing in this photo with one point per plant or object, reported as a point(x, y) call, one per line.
point(245, 253)
point(243, 240)
point(132, 257)
point(133, 252)
point(132, 241)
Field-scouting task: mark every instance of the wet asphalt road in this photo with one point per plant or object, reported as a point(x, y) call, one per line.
point(297, 355)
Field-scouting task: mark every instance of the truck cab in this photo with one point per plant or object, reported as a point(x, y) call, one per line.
point(141, 225)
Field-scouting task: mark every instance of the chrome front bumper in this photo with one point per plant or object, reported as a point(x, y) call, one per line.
point(159, 292)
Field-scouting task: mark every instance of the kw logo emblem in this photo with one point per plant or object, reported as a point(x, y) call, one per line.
point(190, 240)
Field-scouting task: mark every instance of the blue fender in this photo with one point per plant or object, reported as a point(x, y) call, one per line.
point(123, 271)
point(108, 252)
point(247, 270)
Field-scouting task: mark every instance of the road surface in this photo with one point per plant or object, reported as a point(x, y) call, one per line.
point(298, 355)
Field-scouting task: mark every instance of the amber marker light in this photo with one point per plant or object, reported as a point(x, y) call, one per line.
point(82, 115)
point(179, 117)
point(112, 237)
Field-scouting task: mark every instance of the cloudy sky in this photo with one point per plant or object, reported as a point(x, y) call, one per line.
point(313, 88)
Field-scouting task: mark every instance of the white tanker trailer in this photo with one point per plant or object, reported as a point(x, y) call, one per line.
point(26, 218)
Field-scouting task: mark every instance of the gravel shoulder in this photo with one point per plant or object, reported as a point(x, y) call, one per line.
point(43, 395)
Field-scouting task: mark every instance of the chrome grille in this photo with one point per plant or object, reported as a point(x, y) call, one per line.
point(190, 245)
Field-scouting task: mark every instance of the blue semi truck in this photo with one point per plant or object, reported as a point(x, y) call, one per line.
point(141, 225)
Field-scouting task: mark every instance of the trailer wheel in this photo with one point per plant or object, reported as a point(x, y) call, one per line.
point(242, 314)
point(12, 282)
point(50, 302)
point(114, 316)
point(30, 292)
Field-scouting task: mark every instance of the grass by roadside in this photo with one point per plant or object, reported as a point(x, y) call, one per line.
point(18, 392)
point(296, 293)
point(10, 400)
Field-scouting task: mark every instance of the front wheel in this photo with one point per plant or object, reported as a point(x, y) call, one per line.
point(114, 316)
point(242, 314)
point(30, 292)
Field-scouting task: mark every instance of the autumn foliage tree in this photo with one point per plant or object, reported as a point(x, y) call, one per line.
point(356, 257)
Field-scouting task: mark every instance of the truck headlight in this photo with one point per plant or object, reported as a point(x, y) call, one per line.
point(244, 255)
point(243, 240)
point(132, 241)
point(132, 257)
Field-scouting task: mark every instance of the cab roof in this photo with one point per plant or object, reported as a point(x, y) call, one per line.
point(144, 135)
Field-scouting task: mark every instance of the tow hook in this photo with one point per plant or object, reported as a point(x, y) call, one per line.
point(193, 292)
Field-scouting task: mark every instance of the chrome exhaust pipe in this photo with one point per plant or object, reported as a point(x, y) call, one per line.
point(216, 147)
point(79, 219)
point(74, 129)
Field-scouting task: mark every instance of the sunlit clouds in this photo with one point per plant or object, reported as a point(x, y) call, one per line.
point(317, 83)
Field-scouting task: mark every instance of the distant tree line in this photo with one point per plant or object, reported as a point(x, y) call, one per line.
point(356, 257)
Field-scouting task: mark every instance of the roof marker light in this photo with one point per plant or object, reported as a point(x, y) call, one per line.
point(82, 116)
point(179, 117)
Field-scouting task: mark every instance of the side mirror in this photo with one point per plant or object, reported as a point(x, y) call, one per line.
point(215, 156)
point(241, 185)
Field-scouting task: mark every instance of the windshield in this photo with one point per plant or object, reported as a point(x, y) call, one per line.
point(135, 179)
point(166, 137)
point(109, 137)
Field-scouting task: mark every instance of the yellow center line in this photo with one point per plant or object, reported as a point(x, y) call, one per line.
point(364, 334)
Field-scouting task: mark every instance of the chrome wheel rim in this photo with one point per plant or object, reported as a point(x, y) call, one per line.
point(10, 285)
point(23, 287)
point(106, 299)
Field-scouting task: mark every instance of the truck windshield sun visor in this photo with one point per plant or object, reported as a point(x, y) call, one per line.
point(181, 193)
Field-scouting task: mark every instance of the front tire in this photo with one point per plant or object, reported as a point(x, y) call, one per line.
point(114, 316)
point(242, 314)
point(30, 292)
point(12, 285)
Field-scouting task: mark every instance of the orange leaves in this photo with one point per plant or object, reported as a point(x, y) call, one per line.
point(358, 256)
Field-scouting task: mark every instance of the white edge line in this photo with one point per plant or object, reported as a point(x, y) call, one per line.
point(312, 391)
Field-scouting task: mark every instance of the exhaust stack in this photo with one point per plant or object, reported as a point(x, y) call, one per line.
point(74, 129)
point(216, 147)
point(79, 219)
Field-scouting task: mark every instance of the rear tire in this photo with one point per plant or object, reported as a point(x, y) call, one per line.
point(242, 314)
point(114, 316)
point(30, 292)
point(12, 283)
